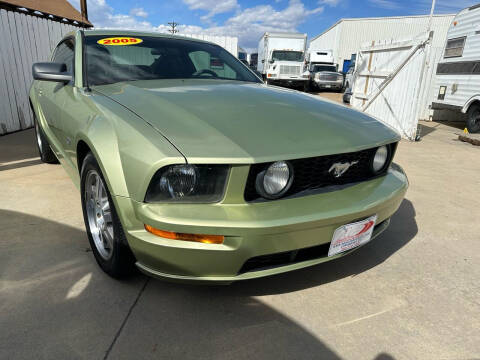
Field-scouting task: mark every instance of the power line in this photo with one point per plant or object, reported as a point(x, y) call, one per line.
point(173, 26)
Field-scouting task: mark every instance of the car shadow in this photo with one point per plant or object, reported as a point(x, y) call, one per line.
point(49, 280)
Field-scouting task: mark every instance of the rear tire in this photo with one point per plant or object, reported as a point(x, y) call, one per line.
point(473, 119)
point(104, 230)
point(44, 150)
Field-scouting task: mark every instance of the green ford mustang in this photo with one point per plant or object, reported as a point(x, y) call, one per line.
point(191, 168)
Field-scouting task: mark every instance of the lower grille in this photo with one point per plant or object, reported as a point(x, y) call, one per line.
point(289, 70)
point(264, 262)
point(314, 173)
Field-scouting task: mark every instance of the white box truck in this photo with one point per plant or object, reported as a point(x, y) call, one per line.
point(315, 56)
point(458, 72)
point(281, 58)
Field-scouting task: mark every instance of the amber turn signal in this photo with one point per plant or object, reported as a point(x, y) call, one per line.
point(206, 239)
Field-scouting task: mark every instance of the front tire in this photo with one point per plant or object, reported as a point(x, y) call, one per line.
point(306, 86)
point(44, 150)
point(473, 119)
point(104, 230)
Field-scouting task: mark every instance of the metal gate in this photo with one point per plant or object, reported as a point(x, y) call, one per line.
point(392, 82)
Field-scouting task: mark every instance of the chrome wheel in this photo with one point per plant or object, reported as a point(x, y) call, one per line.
point(39, 138)
point(99, 214)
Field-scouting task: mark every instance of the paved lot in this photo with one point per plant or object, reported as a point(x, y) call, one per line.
point(413, 293)
point(331, 95)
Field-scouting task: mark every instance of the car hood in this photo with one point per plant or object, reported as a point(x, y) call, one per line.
point(237, 122)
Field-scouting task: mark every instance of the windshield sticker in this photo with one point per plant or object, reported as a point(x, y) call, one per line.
point(216, 63)
point(119, 41)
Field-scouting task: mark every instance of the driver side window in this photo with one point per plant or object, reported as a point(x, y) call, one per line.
point(64, 53)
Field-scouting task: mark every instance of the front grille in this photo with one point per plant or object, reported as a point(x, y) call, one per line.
point(311, 174)
point(289, 70)
point(269, 261)
point(329, 77)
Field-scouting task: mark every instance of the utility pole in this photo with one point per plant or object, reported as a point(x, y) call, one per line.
point(173, 26)
point(83, 9)
point(431, 16)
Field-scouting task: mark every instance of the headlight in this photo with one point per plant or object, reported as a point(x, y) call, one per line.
point(178, 181)
point(274, 181)
point(380, 159)
point(188, 183)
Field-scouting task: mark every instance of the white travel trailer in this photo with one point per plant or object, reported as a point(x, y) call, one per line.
point(458, 73)
point(281, 58)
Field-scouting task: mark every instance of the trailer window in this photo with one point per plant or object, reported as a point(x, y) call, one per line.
point(454, 47)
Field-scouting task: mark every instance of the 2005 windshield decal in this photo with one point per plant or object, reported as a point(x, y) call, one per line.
point(119, 41)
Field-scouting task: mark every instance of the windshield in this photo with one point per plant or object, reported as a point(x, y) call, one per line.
point(318, 68)
point(287, 55)
point(114, 58)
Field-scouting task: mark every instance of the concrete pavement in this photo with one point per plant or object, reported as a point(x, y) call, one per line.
point(412, 293)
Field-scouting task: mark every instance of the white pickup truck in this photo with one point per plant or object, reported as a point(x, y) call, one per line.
point(324, 76)
point(281, 59)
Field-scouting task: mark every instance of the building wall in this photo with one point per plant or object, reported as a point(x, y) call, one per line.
point(229, 43)
point(328, 41)
point(349, 35)
point(25, 39)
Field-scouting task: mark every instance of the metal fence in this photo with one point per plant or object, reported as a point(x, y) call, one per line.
point(25, 39)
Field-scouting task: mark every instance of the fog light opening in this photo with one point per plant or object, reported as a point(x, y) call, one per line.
point(201, 238)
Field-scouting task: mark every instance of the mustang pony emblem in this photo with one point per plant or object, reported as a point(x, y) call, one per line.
point(341, 168)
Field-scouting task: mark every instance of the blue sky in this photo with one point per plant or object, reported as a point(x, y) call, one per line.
point(248, 19)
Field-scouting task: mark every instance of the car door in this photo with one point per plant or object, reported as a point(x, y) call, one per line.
point(53, 95)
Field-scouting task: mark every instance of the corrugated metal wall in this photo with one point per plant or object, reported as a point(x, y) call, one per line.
point(25, 39)
point(353, 33)
point(327, 41)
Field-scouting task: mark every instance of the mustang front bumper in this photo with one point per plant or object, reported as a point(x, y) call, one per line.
point(261, 238)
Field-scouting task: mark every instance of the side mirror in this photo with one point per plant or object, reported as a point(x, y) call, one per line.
point(263, 61)
point(271, 61)
point(50, 71)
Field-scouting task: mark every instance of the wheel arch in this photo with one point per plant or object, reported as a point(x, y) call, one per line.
point(108, 160)
point(82, 150)
point(475, 100)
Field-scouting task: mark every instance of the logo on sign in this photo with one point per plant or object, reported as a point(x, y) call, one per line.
point(338, 169)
